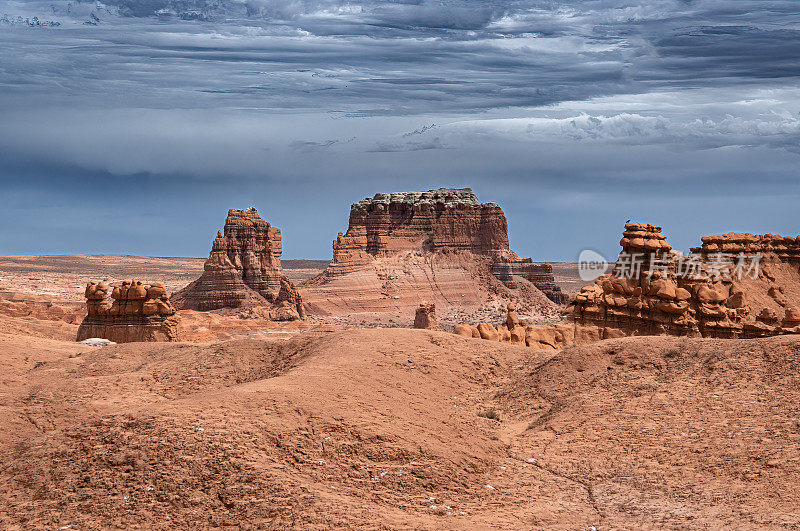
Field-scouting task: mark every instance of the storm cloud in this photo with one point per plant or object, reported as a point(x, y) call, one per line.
point(570, 115)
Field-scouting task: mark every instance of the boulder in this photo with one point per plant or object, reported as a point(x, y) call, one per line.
point(425, 317)
point(462, 330)
point(487, 331)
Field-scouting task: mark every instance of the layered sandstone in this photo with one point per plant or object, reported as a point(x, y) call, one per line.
point(785, 248)
point(733, 286)
point(244, 270)
point(434, 222)
point(135, 312)
point(508, 267)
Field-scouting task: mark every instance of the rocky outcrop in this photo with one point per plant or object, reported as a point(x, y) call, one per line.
point(717, 291)
point(244, 270)
point(508, 268)
point(435, 222)
point(511, 331)
point(733, 286)
point(135, 312)
point(784, 248)
point(425, 317)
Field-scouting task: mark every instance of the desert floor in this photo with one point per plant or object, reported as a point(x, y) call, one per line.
point(320, 426)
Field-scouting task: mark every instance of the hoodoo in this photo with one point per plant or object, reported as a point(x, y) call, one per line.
point(733, 286)
point(136, 312)
point(244, 270)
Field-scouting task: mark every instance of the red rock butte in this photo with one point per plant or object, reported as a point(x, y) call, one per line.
point(244, 270)
point(437, 221)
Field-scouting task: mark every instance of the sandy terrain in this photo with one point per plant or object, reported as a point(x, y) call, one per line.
point(256, 424)
point(50, 274)
point(384, 428)
point(51, 287)
point(388, 292)
point(35, 289)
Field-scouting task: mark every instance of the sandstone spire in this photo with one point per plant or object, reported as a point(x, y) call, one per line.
point(243, 269)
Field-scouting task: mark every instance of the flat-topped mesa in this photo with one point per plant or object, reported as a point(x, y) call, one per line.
point(243, 270)
point(136, 312)
point(436, 221)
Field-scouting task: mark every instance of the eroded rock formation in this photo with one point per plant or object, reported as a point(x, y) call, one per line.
point(733, 286)
point(784, 248)
point(425, 317)
point(135, 312)
point(244, 270)
point(508, 267)
point(436, 221)
point(511, 331)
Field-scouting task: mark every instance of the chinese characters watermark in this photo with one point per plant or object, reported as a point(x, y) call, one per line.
point(717, 266)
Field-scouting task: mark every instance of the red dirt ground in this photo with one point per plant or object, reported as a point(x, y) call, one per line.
point(264, 425)
point(381, 429)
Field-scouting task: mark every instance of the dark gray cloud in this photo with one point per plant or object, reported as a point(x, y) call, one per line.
point(577, 111)
point(401, 57)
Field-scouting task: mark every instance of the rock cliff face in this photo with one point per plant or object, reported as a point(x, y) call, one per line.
point(244, 270)
point(508, 268)
point(436, 221)
point(433, 221)
point(136, 312)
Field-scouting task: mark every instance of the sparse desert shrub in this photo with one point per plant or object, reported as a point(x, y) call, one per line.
point(489, 414)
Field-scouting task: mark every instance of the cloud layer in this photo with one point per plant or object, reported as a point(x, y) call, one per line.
point(589, 104)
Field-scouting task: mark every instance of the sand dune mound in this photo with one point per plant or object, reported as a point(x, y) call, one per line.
point(410, 428)
point(319, 430)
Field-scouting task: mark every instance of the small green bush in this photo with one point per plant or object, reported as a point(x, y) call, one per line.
point(489, 414)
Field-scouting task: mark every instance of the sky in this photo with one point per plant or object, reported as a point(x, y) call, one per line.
point(132, 126)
